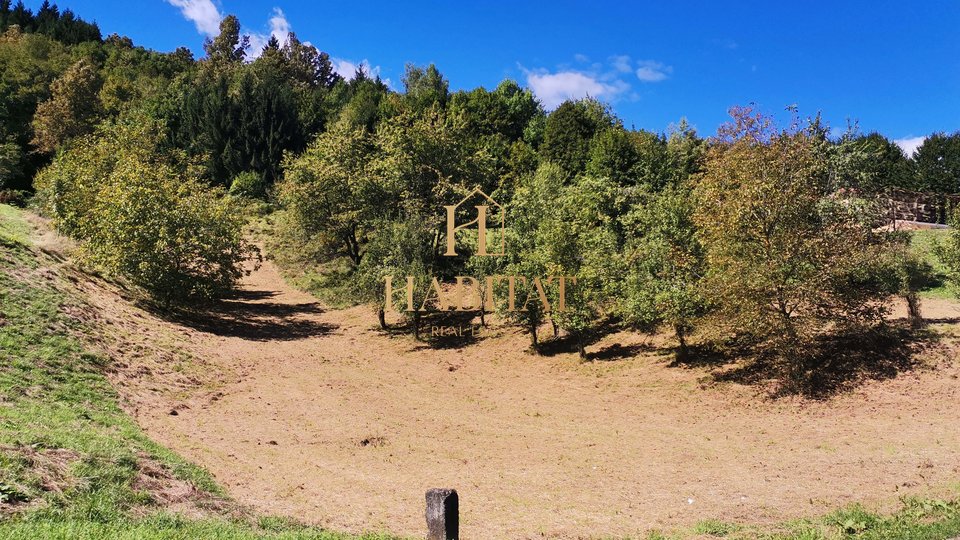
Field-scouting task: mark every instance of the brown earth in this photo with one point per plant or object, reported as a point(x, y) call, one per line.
point(314, 413)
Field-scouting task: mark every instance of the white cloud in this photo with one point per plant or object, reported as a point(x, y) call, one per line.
point(206, 16)
point(203, 13)
point(653, 71)
point(279, 28)
point(909, 145)
point(621, 63)
point(604, 80)
point(555, 88)
point(347, 69)
point(582, 58)
point(256, 45)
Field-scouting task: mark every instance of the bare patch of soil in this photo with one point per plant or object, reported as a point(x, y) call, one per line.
point(176, 495)
point(315, 414)
point(48, 469)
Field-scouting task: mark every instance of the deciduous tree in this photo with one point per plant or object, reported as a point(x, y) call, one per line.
point(786, 261)
point(72, 110)
point(664, 264)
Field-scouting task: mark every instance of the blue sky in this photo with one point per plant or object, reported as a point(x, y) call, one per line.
point(893, 66)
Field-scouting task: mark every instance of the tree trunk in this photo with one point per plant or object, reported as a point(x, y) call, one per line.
point(353, 248)
point(556, 330)
point(534, 343)
point(581, 346)
point(682, 338)
point(913, 309)
point(416, 325)
point(382, 317)
point(483, 319)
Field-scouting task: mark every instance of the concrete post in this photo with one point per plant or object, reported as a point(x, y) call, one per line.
point(443, 519)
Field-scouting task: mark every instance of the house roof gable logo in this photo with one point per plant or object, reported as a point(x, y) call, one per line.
point(483, 247)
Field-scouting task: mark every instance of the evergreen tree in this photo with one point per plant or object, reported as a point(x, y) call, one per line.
point(46, 18)
point(21, 16)
point(228, 47)
point(4, 14)
point(266, 125)
point(272, 46)
point(569, 131)
point(938, 163)
point(308, 65)
point(64, 27)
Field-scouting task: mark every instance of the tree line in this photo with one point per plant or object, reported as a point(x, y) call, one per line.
point(762, 234)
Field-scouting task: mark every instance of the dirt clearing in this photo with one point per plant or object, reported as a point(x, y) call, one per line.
point(315, 414)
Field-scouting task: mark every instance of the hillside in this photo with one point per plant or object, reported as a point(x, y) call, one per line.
point(304, 411)
point(72, 463)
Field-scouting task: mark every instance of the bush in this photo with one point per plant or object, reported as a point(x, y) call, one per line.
point(172, 238)
point(141, 212)
point(248, 184)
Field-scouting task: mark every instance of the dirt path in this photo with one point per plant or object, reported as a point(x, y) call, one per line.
point(314, 414)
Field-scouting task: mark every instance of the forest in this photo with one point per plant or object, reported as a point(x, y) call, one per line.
point(764, 236)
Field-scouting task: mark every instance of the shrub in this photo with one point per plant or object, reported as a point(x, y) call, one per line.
point(140, 212)
point(248, 184)
point(173, 238)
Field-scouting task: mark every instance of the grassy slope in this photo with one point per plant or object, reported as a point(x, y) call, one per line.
point(54, 401)
point(919, 519)
point(923, 242)
point(69, 456)
point(329, 284)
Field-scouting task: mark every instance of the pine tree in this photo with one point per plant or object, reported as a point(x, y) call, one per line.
point(22, 17)
point(228, 47)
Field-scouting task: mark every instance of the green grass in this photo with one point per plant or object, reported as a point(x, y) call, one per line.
point(68, 454)
point(330, 283)
point(161, 526)
point(923, 242)
point(13, 229)
point(918, 519)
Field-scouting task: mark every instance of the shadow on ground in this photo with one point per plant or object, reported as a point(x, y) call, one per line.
point(461, 331)
point(833, 364)
point(566, 342)
point(250, 315)
point(617, 351)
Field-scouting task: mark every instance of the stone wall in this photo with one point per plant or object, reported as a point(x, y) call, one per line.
point(915, 206)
